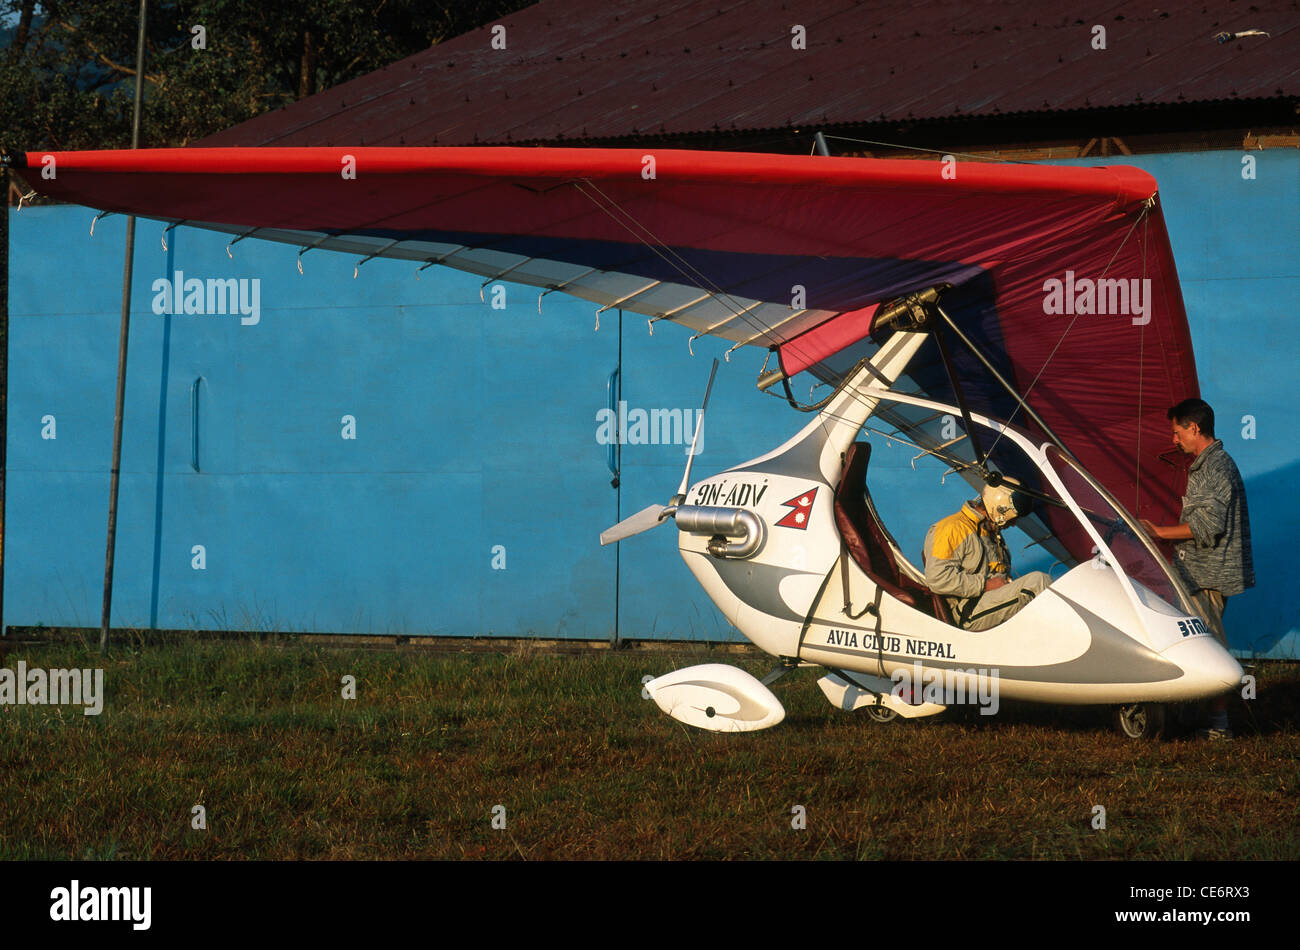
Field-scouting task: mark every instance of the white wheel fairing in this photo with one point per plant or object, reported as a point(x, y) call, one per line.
point(716, 697)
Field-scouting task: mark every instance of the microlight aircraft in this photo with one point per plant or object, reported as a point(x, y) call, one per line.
point(1039, 305)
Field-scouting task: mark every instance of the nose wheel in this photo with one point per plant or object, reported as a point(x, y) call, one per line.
point(1141, 720)
point(881, 713)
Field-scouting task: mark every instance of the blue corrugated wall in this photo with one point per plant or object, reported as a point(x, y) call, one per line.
point(470, 499)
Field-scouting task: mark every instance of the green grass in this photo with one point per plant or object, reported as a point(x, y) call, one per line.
point(258, 733)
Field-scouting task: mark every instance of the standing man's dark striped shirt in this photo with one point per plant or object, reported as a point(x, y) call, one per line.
point(1217, 557)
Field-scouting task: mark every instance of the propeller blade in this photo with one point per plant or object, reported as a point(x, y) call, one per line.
point(643, 520)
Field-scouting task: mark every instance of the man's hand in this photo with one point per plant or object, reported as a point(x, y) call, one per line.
point(1177, 532)
point(994, 582)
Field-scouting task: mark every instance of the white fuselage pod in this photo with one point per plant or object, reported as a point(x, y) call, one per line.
point(1080, 641)
point(1094, 635)
point(770, 595)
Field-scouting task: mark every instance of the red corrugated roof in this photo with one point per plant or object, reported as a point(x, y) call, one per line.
point(611, 69)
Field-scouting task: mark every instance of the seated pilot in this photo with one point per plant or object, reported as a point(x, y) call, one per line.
point(967, 562)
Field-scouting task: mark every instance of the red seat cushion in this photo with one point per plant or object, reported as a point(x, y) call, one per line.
point(863, 534)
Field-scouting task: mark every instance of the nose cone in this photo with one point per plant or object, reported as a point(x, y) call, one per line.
point(1208, 669)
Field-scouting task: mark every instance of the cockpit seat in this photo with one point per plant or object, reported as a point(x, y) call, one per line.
point(865, 537)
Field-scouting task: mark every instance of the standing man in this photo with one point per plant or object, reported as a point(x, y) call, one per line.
point(1213, 532)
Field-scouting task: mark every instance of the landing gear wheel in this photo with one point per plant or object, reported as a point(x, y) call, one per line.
point(1141, 720)
point(881, 713)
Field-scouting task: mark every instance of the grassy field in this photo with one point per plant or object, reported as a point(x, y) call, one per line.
point(259, 734)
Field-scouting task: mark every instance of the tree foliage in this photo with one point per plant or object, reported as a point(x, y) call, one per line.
point(67, 69)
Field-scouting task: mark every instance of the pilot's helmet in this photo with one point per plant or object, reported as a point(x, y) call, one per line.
point(1003, 502)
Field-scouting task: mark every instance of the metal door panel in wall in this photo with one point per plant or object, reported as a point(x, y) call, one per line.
point(347, 456)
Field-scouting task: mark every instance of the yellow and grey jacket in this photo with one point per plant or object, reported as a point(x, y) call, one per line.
point(961, 552)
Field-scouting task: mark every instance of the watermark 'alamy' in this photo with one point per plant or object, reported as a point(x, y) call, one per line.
point(103, 903)
point(639, 427)
point(215, 295)
point(38, 687)
point(1105, 296)
point(947, 687)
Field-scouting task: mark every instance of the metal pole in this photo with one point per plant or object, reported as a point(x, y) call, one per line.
point(4, 376)
point(618, 497)
point(121, 355)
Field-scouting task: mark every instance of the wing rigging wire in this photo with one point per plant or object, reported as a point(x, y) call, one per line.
point(629, 222)
point(1143, 218)
point(643, 234)
point(660, 249)
point(693, 274)
point(1142, 337)
point(1146, 210)
point(684, 267)
point(935, 151)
